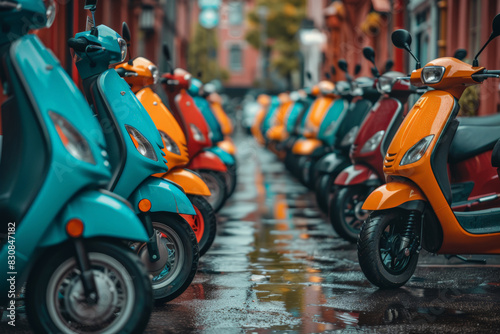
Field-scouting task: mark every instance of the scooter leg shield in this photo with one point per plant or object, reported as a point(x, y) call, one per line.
point(357, 174)
point(226, 158)
point(207, 160)
point(189, 181)
point(305, 146)
point(395, 194)
point(103, 214)
point(164, 195)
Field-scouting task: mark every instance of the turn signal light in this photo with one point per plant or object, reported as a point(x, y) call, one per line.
point(144, 205)
point(74, 228)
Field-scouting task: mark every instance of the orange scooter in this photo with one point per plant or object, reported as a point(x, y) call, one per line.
point(141, 74)
point(277, 133)
point(413, 210)
point(225, 122)
point(264, 101)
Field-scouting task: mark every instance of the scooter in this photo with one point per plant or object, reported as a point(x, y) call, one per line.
point(197, 92)
point(141, 75)
point(276, 133)
point(343, 133)
point(61, 233)
point(210, 166)
point(171, 253)
point(413, 210)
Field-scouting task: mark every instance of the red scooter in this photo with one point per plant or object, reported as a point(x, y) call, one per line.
point(210, 167)
point(475, 183)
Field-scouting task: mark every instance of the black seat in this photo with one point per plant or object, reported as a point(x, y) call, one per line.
point(495, 156)
point(474, 136)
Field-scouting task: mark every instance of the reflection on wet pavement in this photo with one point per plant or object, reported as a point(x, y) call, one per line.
point(276, 265)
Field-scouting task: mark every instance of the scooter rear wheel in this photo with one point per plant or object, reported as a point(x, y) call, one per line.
point(205, 223)
point(379, 251)
point(323, 187)
point(345, 211)
point(55, 302)
point(218, 188)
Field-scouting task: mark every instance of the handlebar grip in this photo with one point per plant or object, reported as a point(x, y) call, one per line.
point(121, 71)
point(78, 44)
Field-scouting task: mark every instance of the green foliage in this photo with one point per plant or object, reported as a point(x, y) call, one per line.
point(282, 25)
point(202, 55)
point(469, 102)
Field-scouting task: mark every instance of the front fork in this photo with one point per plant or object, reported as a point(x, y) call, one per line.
point(408, 244)
point(152, 244)
point(87, 276)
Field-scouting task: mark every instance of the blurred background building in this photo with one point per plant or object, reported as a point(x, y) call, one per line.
point(272, 44)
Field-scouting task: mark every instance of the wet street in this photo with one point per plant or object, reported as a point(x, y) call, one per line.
point(277, 266)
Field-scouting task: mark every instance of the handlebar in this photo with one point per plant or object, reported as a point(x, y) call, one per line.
point(124, 73)
point(480, 77)
point(78, 44)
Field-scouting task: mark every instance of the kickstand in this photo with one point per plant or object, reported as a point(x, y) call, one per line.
point(460, 257)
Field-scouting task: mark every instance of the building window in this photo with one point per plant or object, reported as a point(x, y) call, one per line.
point(235, 58)
point(423, 27)
point(235, 13)
point(475, 27)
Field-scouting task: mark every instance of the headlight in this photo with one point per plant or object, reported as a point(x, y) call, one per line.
point(432, 74)
point(50, 12)
point(349, 137)
point(384, 84)
point(417, 151)
point(141, 143)
point(169, 143)
point(197, 135)
point(155, 73)
point(123, 48)
point(331, 127)
point(373, 142)
point(72, 140)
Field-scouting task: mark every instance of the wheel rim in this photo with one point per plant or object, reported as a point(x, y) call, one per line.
point(389, 248)
point(66, 302)
point(353, 215)
point(197, 223)
point(176, 255)
point(215, 189)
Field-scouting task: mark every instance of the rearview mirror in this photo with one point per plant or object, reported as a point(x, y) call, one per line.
point(90, 5)
point(327, 76)
point(357, 69)
point(342, 64)
point(126, 32)
point(496, 26)
point(309, 75)
point(166, 51)
point(389, 64)
point(460, 54)
point(369, 54)
point(401, 39)
point(333, 71)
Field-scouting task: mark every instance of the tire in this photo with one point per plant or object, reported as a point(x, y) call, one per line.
point(54, 284)
point(370, 253)
point(324, 184)
point(183, 257)
point(232, 171)
point(205, 222)
point(217, 185)
point(345, 211)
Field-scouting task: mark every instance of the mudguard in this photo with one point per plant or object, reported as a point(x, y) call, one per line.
point(331, 162)
point(306, 146)
point(103, 214)
point(357, 174)
point(226, 158)
point(207, 160)
point(189, 181)
point(164, 195)
point(393, 194)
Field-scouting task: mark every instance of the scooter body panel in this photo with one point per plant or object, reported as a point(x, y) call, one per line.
point(392, 195)
point(207, 160)
point(314, 118)
point(189, 181)
point(330, 162)
point(306, 146)
point(226, 158)
point(167, 123)
point(164, 195)
point(357, 174)
point(329, 125)
point(225, 122)
point(227, 145)
point(215, 128)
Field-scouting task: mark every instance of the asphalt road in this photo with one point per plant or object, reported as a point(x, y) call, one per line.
point(277, 266)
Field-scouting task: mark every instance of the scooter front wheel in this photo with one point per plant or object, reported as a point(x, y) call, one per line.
point(382, 258)
point(55, 300)
point(346, 214)
point(323, 187)
point(204, 224)
point(218, 188)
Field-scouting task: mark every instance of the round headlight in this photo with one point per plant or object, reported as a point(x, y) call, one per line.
point(50, 12)
point(155, 73)
point(384, 84)
point(123, 48)
point(432, 74)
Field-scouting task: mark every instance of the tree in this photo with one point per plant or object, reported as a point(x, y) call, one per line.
point(282, 24)
point(202, 55)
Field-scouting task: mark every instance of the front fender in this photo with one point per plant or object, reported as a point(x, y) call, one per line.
point(189, 181)
point(164, 195)
point(306, 146)
point(357, 174)
point(331, 162)
point(394, 194)
point(103, 214)
point(207, 160)
point(226, 157)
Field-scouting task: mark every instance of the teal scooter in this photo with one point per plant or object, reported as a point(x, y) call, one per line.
point(171, 254)
point(60, 232)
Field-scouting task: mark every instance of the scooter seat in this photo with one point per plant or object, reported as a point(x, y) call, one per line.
point(474, 137)
point(493, 120)
point(495, 156)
